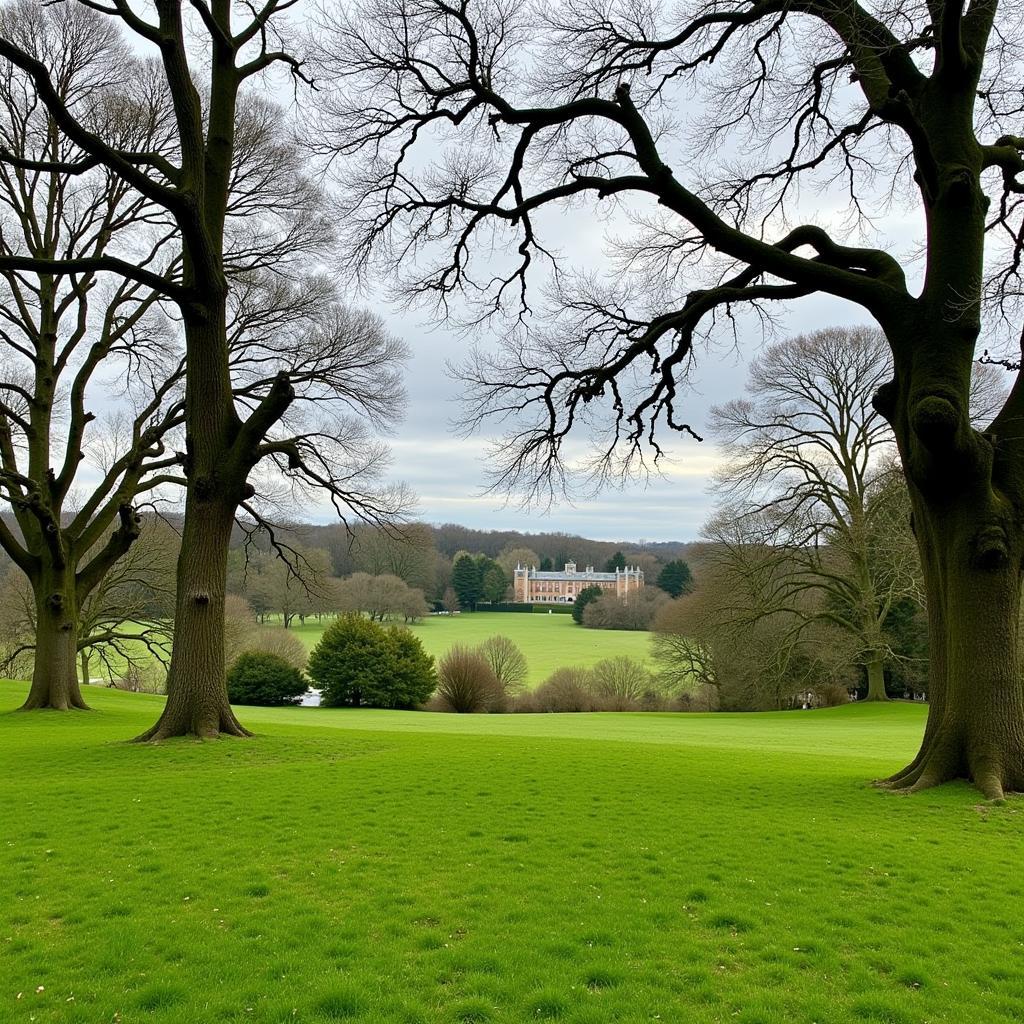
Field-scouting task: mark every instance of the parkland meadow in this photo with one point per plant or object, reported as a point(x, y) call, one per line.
point(549, 642)
point(393, 868)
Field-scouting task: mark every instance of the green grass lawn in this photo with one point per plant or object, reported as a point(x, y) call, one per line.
point(549, 641)
point(394, 868)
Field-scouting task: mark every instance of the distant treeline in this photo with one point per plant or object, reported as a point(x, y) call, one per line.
point(422, 554)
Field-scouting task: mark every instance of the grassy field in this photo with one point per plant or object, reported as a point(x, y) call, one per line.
point(548, 641)
point(403, 868)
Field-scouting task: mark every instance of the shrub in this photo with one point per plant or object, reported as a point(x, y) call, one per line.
point(265, 680)
point(381, 597)
point(831, 694)
point(507, 662)
point(621, 683)
point(701, 699)
point(525, 704)
point(360, 663)
point(239, 626)
point(278, 641)
point(467, 684)
point(636, 611)
point(567, 689)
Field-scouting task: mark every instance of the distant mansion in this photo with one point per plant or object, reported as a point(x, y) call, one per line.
point(535, 587)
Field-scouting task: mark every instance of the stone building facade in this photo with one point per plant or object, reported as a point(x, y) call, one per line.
point(535, 587)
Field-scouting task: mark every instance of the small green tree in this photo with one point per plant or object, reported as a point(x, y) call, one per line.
point(546, 565)
point(358, 663)
point(264, 680)
point(412, 671)
point(466, 581)
point(586, 596)
point(676, 579)
point(494, 583)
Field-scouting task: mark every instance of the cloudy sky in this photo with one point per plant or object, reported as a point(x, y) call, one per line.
point(450, 473)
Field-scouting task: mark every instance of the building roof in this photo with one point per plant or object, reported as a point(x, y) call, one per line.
point(569, 577)
point(607, 577)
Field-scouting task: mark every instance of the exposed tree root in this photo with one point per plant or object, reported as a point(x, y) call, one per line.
point(202, 727)
point(50, 700)
point(70, 702)
point(947, 761)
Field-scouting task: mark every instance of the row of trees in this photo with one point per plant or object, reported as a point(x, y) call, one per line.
point(414, 553)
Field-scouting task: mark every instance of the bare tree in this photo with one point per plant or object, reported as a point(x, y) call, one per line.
point(127, 616)
point(511, 558)
point(289, 588)
point(407, 552)
point(76, 338)
point(124, 621)
point(507, 661)
point(757, 645)
point(232, 185)
point(683, 661)
point(381, 597)
point(806, 460)
point(487, 115)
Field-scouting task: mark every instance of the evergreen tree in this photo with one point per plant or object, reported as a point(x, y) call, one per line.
point(359, 663)
point(583, 598)
point(494, 583)
point(546, 565)
point(466, 581)
point(266, 680)
point(617, 561)
point(676, 579)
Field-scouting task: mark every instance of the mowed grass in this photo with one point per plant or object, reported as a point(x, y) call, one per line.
point(395, 868)
point(549, 642)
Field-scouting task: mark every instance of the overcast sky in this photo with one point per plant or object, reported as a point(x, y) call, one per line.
point(450, 474)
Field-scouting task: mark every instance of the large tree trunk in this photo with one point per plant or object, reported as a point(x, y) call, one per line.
point(971, 556)
point(55, 675)
point(197, 696)
point(876, 679)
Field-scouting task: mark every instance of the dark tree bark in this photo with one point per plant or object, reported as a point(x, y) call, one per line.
point(196, 702)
